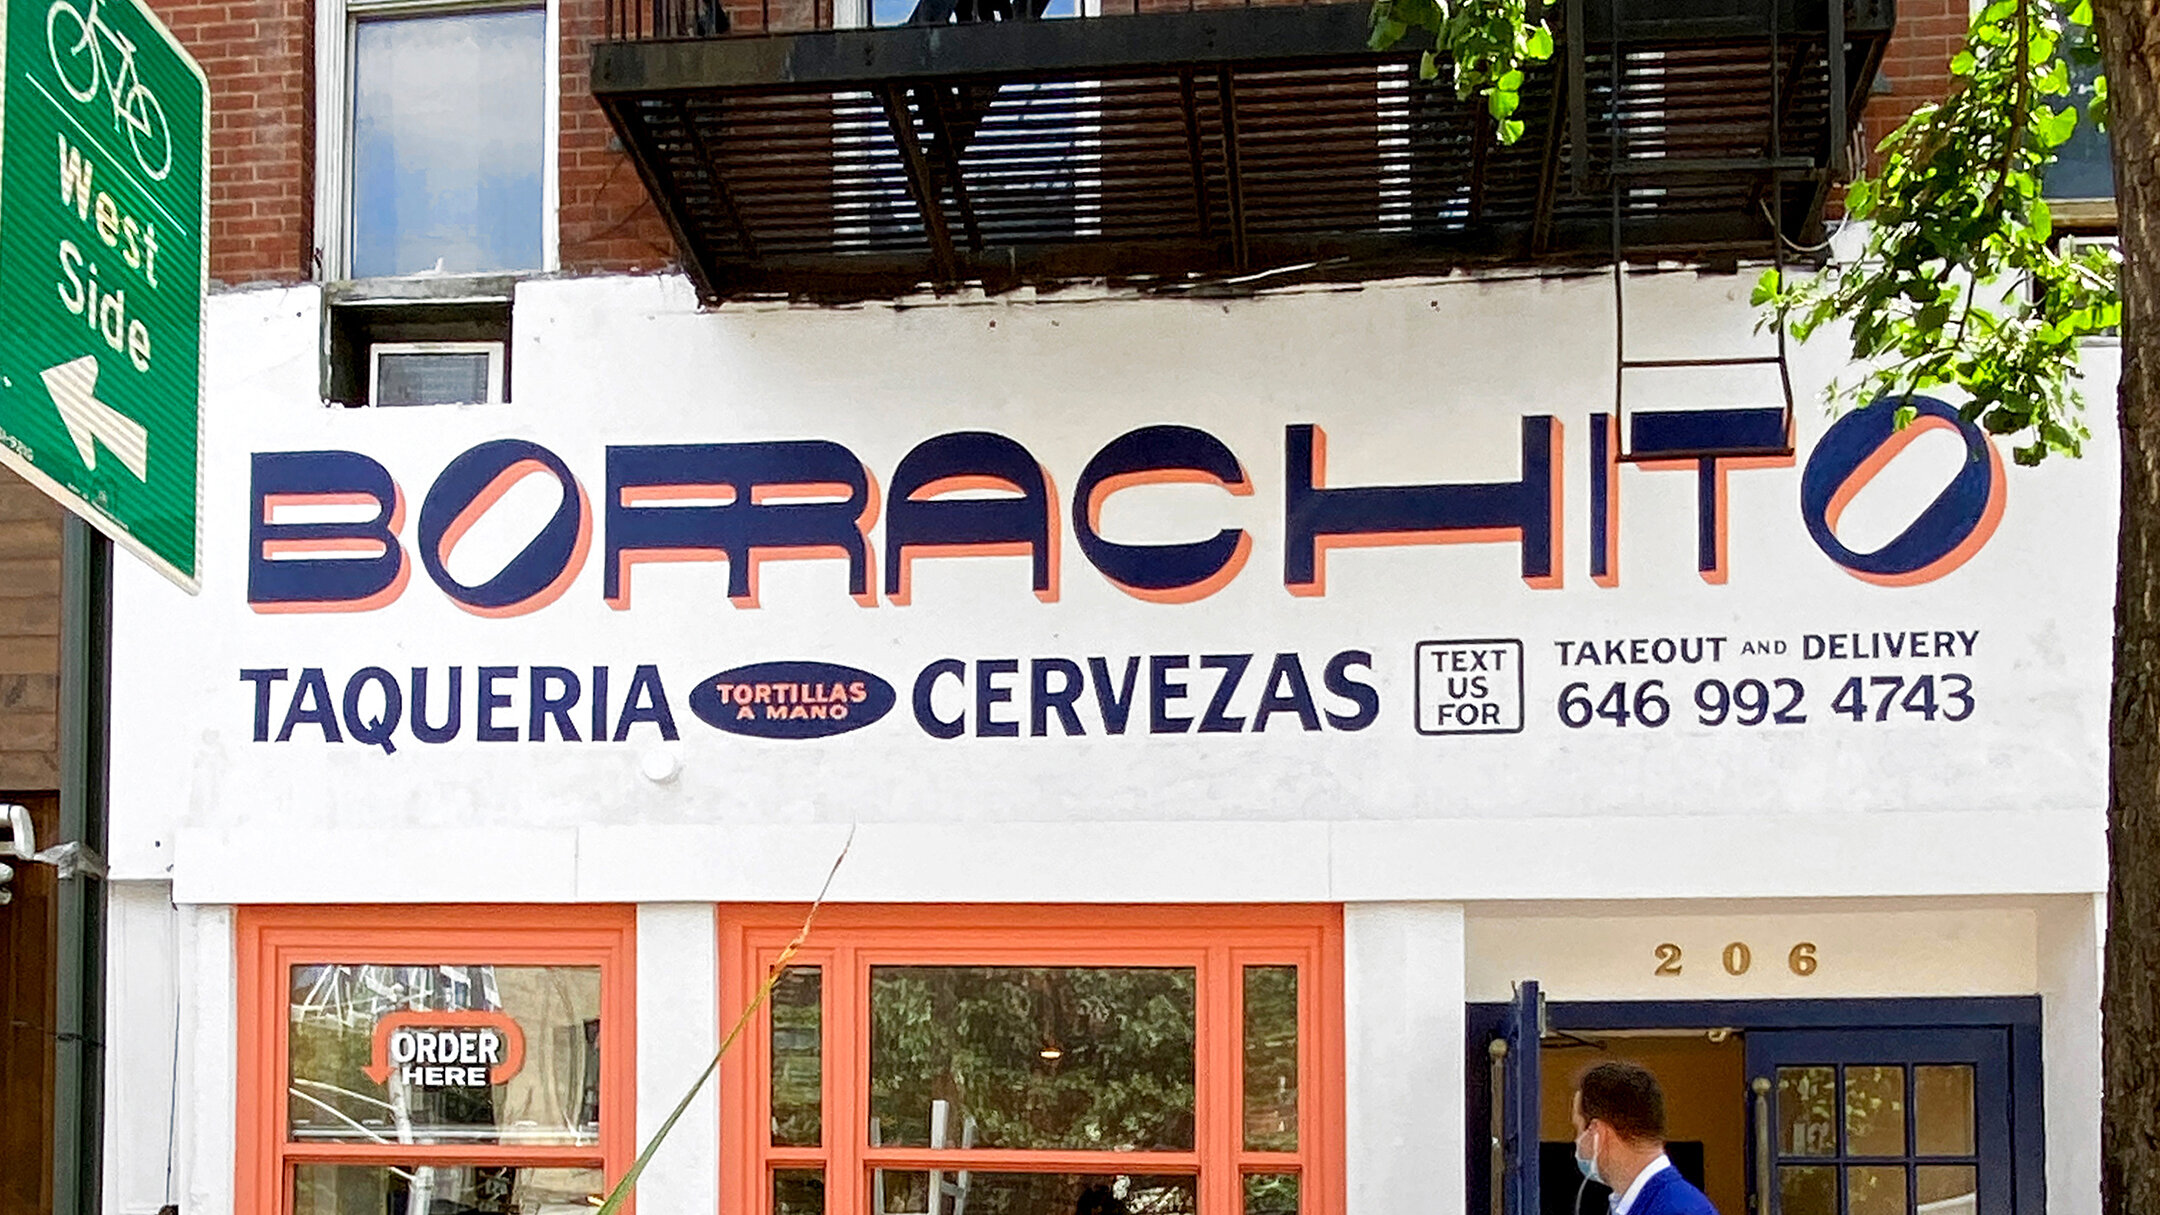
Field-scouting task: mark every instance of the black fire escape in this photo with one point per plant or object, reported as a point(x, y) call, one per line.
point(1002, 148)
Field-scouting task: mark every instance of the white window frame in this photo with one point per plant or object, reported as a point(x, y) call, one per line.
point(494, 351)
point(336, 24)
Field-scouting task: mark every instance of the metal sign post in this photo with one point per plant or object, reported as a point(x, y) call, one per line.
point(79, 987)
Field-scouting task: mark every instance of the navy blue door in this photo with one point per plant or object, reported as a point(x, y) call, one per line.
point(1881, 1121)
point(1521, 1105)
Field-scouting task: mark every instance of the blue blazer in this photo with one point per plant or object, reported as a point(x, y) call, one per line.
point(1669, 1193)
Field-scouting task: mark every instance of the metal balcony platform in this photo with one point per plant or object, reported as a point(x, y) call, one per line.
point(1215, 144)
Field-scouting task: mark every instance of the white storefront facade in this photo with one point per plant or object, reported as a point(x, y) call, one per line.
point(1316, 643)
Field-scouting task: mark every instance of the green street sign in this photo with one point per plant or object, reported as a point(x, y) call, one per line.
point(104, 234)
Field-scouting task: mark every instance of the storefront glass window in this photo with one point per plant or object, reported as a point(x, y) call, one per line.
point(798, 1059)
point(414, 1062)
point(1943, 1110)
point(1036, 1061)
point(1909, 1144)
point(335, 1189)
point(1875, 1111)
point(371, 1063)
point(1271, 1058)
point(1032, 1057)
point(1271, 1194)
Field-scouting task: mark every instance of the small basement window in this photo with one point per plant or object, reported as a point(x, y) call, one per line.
point(451, 346)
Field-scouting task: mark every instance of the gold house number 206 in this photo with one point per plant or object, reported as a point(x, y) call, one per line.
point(1737, 959)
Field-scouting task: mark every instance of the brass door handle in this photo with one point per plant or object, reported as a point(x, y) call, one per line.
point(1498, 1052)
point(1763, 1204)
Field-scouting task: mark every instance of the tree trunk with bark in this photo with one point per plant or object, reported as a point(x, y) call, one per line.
point(2129, 35)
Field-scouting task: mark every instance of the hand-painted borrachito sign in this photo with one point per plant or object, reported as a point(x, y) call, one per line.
point(743, 504)
point(1186, 581)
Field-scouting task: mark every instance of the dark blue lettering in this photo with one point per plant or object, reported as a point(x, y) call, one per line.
point(1287, 692)
point(553, 691)
point(921, 521)
point(263, 678)
point(1115, 706)
point(311, 703)
point(1042, 701)
point(988, 694)
point(484, 727)
point(449, 729)
point(1362, 695)
point(467, 489)
point(732, 502)
point(1316, 518)
point(323, 567)
point(646, 702)
point(926, 688)
point(1161, 573)
point(1214, 720)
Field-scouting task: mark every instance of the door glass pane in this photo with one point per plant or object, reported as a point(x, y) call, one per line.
point(1807, 1190)
point(1271, 1194)
point(447, 129)
point(798, 1052)
point(980, 1193)
point(1875, 1190)
point(1806, 1112)
point(1948, 1189)
point(798, 1192)
point(1943, 1110)
point(371, 1189)
point(444, 1054)
point(1271, 1058)
point(1875, 1111)
point(1032, 1057)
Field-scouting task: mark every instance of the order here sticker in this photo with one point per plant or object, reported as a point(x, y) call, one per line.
point(467, 1049)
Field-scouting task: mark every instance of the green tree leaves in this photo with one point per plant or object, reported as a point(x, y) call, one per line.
point(1961, 281)
point(1486, 43)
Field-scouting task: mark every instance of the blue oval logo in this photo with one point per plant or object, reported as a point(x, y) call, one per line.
point(791, 700)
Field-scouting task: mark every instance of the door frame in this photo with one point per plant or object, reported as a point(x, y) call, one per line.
point(2019, 1016)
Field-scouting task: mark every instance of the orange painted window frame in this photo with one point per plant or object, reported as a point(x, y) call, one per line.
point(1218, 941)
point(270, 940)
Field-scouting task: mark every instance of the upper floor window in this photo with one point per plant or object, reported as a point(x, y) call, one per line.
point(441, 157)
point(2083, 167)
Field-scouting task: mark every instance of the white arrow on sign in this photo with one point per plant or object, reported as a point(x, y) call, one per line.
point(89, 421)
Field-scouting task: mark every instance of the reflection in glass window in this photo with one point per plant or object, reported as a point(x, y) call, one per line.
point(1271, 1059)
point(2082, 167)
point(798, 1058)
point(1032, 1057)
point(337, 1189)
point(980, 1193)
point(345, 1023)
point(447, 132)
point(1271, 1194)
point(1806, 1118)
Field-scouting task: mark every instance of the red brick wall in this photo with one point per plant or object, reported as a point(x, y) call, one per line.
point(1917, 63)
point(259, 57)
point(608, 222)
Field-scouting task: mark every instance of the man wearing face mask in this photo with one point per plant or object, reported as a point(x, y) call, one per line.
point(1620, 1143)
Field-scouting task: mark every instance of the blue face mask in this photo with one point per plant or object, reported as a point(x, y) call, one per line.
point(1587, 1164)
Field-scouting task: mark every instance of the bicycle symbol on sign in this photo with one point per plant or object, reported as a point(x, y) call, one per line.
point(81, 66)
